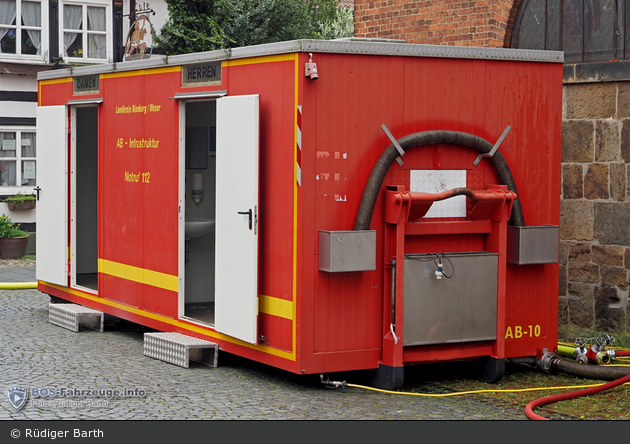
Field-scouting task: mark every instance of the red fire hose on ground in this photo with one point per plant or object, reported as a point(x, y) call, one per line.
point(553, 362)
point(529, 409)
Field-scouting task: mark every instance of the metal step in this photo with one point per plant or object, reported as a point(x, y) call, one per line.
point(179, 349)
point(72, 316)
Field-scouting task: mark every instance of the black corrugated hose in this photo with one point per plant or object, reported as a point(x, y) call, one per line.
point(589, 371)
point(375, 181)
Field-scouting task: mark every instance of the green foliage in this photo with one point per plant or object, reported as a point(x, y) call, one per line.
point(192, 27)
point(195, 26)
point(254, 22)
point(8, 228)
point(342, 27)
point(20, 198)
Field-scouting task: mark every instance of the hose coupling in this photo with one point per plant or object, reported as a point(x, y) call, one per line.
point(333, 384)
point(605, 357)
point(546, 362)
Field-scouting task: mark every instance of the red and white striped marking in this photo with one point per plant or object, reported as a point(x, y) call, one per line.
point(298, 158)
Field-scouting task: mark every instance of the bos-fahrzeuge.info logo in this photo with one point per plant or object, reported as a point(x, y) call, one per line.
point(17, 396)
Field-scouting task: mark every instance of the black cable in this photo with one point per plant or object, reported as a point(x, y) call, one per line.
point(433, 257)
point(452, 266)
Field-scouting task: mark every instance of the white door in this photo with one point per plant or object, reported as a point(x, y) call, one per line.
point(52, 207)
point(236, 218)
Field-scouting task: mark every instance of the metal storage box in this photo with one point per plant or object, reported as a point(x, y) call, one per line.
point(532, 245)
point(462, 308)
point(347, 250)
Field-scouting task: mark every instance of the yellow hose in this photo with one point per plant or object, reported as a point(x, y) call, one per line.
point(566, 350)
point(562, 349)
point(17, 285)
point(432, 395)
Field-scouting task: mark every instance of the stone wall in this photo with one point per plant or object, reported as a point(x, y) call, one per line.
point(595, 206)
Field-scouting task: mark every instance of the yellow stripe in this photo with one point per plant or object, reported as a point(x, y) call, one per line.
point(141, 275)
point(175, 323)
point(276, 306)
point(49, 82)
point(53, 81)
point(141, 72)
point(295, 203)
point(261, 59)
point(178, 68)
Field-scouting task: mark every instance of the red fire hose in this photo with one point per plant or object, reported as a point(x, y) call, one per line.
point(529, 409)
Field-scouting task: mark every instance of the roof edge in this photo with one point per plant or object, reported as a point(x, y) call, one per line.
point(340, 46)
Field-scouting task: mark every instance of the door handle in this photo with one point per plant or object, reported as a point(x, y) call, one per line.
point(250, 216)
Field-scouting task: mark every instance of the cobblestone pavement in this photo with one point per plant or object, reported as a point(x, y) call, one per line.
point(37, 354)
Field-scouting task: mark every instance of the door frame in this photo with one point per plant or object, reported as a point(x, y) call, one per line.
point(237, 319)
point(73, 195)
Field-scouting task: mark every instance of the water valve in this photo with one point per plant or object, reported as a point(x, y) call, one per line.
point(596, 352)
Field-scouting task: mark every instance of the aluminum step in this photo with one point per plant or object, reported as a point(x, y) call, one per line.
point(179, 349)
point(72, 316)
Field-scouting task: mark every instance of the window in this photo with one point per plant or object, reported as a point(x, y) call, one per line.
point(84, 31)
point(18, 150)
point(21, 25)
point(586, 30)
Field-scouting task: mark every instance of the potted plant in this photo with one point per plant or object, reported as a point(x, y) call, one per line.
point(21, 201)
point(13, 240)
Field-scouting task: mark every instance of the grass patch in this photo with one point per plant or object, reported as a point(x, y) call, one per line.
point(455, 378)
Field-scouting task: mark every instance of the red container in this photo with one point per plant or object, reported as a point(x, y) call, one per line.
point(195, 194)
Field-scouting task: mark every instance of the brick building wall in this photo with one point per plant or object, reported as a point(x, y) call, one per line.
point(435, 22)
point(595, 206)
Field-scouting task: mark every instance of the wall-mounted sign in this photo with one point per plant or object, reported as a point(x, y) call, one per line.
point(86, 84)
point(201, 74)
